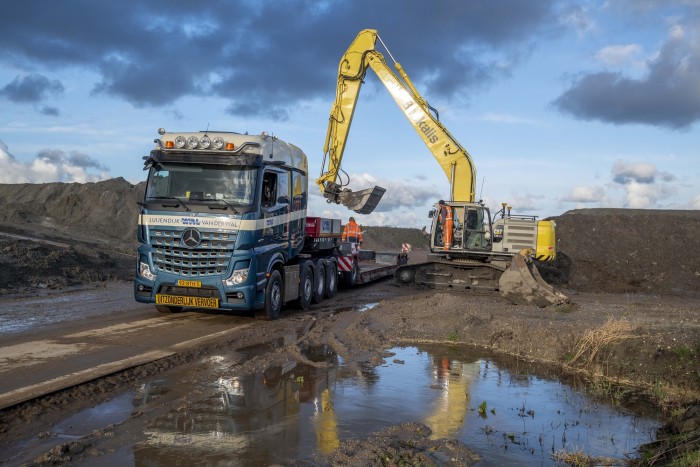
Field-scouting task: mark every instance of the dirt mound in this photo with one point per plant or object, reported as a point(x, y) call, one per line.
point(104, 210)
point(391, 238)
point(599, 250)
point(627, 250)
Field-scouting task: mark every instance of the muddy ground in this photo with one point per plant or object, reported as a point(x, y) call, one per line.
point(633, 320)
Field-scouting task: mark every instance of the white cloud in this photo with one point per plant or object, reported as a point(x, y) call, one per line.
point(585, 194)
point(49, 166)
point(641, 172)
point(695, 204)
point(398, 194)
point(616, 55)
point(578, 17)
point(645, 195)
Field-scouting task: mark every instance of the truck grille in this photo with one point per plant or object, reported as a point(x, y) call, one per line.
point(210, 258)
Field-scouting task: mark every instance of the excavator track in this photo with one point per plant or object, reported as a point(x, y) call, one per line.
point(520, 282)
point(456, 274)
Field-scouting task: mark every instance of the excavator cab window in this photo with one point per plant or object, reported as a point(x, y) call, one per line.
point(477, 229)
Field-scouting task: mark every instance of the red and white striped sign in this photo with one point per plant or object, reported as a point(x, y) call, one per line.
point(345, 263)
point(405, 247)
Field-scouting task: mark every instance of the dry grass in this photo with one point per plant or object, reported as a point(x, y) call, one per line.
point(594, 340)
point(581, 459)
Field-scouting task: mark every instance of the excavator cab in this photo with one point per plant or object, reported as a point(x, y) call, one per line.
point(471, 229)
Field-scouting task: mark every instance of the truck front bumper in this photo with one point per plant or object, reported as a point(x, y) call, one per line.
point(215, 295)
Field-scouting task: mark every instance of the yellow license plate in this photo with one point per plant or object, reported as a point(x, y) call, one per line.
point(196, 284)
point(177, 300)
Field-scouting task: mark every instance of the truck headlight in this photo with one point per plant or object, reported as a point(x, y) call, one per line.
point(145, 271)
point(238, 277)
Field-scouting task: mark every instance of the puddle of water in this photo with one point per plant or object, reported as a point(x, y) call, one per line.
point(287, 412)
point(77, 426)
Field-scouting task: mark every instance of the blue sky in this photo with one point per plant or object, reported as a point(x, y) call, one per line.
point(562, 105)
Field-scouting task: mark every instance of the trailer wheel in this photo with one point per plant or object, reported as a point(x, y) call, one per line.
point(349, 277)
point(405, 276)
point(168, 309)
point(319, 283)
point(306, 286)
point(273, 298)
point(331, 279)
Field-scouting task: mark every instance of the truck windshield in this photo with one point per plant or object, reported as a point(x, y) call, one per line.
point(202, 183)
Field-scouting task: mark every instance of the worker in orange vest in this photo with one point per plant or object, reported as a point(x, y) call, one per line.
point(352, 232)
point(445, 218)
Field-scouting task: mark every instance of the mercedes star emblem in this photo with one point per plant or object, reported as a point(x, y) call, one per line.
point(191, 238)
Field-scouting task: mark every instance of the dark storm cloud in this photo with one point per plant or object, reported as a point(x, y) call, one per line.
point(32, 88)
point(668, 96)
point(78, 159)
point(72, 159)
point(267, 57)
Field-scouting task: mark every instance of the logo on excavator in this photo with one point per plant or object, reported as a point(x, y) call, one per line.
point(429, 132)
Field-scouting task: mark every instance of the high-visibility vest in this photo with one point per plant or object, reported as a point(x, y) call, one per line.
point(352, 230)
point(447, 228)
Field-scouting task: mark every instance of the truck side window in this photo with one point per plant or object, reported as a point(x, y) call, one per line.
point(269, 189)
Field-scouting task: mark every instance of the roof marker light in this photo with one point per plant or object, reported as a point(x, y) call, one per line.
point(229, 146)
point(169, 144)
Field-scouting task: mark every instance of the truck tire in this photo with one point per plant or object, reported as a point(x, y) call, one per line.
point(350, 276)
point(319, 283)
point(273, 298)
point(331, 279)
point(168, 309)
point(306, 286)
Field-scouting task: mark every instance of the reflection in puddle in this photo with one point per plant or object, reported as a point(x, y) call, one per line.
point(290, 410)
point(74, 427)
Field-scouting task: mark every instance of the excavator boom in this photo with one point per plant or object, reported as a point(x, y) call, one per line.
point(452, 157)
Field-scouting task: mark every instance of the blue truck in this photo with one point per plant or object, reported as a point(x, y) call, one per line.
point(224, 225)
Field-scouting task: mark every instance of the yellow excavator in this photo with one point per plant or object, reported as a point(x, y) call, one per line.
point(469, 250)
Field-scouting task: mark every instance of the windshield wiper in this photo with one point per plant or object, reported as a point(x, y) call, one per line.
point(228, 205)
point(182, 203)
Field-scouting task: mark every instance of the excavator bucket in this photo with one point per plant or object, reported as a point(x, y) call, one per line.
point(522, 284)
point(363, 201)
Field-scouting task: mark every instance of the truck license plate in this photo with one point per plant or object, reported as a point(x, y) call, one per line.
point(177, 300)
point(195, 284)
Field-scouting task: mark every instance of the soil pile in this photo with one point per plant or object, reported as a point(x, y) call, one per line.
point(104, 210)
point(627, 251)
point(599, 250)
point(57, 235)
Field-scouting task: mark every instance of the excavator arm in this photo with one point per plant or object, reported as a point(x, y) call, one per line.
point(452, 157)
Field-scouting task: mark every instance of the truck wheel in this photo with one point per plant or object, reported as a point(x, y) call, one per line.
point(331, 279)
point(168, 309)
point(349, 277)
point(273, 298)
point(319, 283)
point(306, 286)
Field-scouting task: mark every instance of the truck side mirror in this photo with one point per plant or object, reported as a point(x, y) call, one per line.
point(431, 214)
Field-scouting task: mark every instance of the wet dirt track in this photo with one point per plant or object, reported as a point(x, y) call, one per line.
point(85, 335)
point(192, 399)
